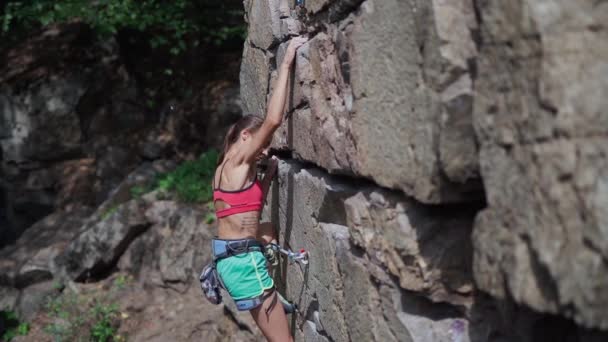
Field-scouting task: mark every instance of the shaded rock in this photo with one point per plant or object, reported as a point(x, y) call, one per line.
point(8, 298)
point(75, 180)
point(425, 321)
point(428, 249)
point(49, 160)
point(185, 247)
point(33, 297)
point(101, 243)
point(38, 268)
point(44, 124)
point(31, 258)
point(160, 212)
point(140, 259)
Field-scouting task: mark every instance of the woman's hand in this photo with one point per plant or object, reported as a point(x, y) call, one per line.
point(271, 170)
point(290, 54)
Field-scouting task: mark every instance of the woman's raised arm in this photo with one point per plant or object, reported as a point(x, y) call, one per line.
point(274, 114)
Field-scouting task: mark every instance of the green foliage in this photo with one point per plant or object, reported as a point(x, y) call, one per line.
point(109, 212)
point(192, 179)
point(14, 327)
point(210, 218)
point(138, 190)
point(168, 22)
point(104, 327)
point(121, 281)
point(80, 317)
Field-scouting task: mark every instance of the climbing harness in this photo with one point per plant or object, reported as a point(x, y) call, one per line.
point(211, 282)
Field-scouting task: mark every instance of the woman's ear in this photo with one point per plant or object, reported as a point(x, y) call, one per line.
point(244, 134)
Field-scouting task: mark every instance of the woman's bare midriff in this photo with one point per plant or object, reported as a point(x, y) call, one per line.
point(239, 226)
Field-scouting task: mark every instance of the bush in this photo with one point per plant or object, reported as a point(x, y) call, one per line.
point(91, 317)
point(104, 326)
point(13, 326)
point(191, 180)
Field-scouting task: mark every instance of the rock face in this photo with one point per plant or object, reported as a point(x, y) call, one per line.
point(542, 123)
point(443, 151)
point(369, 247)
point(385, 93)
point(51, 125)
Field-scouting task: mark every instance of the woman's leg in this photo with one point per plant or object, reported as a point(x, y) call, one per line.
point(273, 321)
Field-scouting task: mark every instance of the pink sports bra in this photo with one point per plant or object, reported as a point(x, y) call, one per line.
point(240, 201)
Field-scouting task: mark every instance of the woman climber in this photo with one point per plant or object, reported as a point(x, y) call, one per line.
point(239, 197)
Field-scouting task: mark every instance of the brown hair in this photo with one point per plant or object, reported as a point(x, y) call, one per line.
point(249, 121)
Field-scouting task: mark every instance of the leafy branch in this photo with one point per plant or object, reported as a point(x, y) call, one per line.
point(169, 22)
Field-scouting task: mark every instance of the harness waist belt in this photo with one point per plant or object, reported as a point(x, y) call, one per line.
point(227, 248)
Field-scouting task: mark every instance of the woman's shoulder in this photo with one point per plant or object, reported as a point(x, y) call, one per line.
point(231, 177)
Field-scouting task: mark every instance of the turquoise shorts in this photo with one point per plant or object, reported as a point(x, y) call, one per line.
point(245, 275)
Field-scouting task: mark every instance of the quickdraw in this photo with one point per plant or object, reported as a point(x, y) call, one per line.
point(299, 257)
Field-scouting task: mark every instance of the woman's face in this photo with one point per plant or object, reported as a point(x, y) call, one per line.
point(246, 136)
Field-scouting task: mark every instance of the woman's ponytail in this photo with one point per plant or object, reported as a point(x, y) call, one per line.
point(250, 121)
point(228, 141)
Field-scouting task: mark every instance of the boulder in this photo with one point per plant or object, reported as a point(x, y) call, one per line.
point(8, 298)
point(30, 259)
point(100, 243)
point(186, 246)
point(33, 297)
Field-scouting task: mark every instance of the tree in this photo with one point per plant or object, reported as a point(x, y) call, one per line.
point(170, 23)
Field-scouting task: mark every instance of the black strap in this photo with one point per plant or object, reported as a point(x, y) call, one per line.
point(273, 303)
point(219, 186)
point(221, 171)
point(234, 247)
